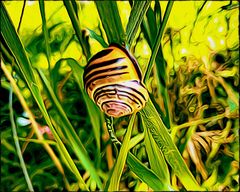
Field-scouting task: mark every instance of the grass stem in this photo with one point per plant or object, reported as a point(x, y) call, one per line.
point(158, 41)
point(16, 141)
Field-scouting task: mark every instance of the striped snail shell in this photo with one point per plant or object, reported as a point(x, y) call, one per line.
point(113, 80)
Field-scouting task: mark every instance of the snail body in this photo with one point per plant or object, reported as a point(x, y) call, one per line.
point(113, 80)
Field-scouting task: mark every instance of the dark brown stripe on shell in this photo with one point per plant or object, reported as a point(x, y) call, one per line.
point(136, 66)
point(100, 54)
point(106, 92)
point(134, 90)
point(101, 64)
point(102, 77)
point(87, 77)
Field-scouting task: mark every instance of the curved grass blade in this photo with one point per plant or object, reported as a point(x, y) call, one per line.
point(119, 164)
point(144, 173)
point(34, 124)
point(45, 33)
point(97, 37)
point(158, 41)
point(150, 28)
point(136, 16)
point(16, 141)
point(13, 41)
point(156, 158)
point(153, 122)
point(93, 111)
point(158, 14)
point(76, 25)
point(69, 131)
point(111, 21)
point(20, 20)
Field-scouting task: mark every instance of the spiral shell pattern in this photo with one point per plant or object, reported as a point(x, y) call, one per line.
point(113, 80)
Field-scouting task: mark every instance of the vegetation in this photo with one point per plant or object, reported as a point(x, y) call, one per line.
point(53, 137)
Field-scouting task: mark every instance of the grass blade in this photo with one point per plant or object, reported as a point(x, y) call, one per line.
point(76, 25)
point(136, 16)
point(93, 111)
point(162, 138)
point(136, 166)
point(45, 33)
point(16, 141)
point(73, 139)
point(150, 27)
point(156, 158)
point(146, 174)
point(20, 20)
point(10, 36)
point(119, 165)
point(158, 41)
point(33, 122)
point(111, 21)
point(98, 38)
point(158, 14)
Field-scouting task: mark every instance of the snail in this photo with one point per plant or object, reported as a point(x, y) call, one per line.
point(113, 80)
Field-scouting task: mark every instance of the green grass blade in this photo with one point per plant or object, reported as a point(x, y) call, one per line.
point(156, 158)
point(162, 138)
point(21, 17)
point(136, 166)
point(16, 141)
point(76, 25)
point(10, 36)
point(45, 33)
point(34, 123)
point(119, 165)
point(146, 174)
point(158, 13)
point(158, 41)
point(13, 41)
point(6, 55)
point(135, 140)
point(111, 21)
point(93, 110)
point(73, 138)
point(150, 28)
point(136, 16)
point(98, 38)
point(75, 7)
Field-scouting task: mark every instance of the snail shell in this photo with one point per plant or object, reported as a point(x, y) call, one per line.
point(113, 80)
